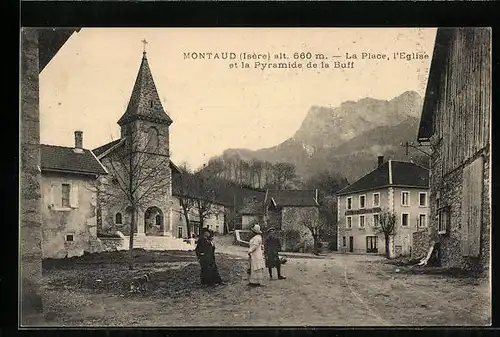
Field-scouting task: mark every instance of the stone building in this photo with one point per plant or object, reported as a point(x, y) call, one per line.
point(68, 199)
point(398, 187)
point(252, 212)
point(139, 165)
point(455, 121)
point(288, 210)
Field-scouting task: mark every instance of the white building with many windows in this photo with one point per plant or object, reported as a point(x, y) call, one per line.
point(395, 186)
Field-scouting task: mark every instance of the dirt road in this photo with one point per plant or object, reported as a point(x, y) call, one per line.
point(341, 290)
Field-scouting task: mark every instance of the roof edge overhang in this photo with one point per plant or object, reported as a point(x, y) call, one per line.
point(381, 187)
point(88, 173)
point(130, 118)
point(426, 127)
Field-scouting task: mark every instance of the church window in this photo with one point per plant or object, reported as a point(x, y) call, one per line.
point(118, 218)
point(151, 103)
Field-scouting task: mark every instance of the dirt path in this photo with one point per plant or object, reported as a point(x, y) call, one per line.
point(341, 290)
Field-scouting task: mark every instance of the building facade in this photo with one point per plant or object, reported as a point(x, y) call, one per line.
point(69, 199)
point(455, 121)
point(215, 221)
point(396, 187)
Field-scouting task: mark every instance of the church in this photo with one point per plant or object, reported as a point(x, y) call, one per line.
point(91, 197)
point(139, 166)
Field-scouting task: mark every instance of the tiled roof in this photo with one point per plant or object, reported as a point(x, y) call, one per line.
point(101, 149)
point(66, 159)
point(253, 205)
point(409, 174)
point(403, 174)
point(292, 198)
point(144, 102)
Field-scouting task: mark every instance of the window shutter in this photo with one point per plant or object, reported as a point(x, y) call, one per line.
point(472, 187)
point(73, 196)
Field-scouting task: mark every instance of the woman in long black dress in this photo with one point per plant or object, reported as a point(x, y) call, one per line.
point(205, 251)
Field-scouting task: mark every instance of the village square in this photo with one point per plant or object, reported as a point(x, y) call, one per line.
point(390, 232)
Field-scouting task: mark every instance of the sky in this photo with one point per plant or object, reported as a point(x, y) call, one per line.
point(88, 84)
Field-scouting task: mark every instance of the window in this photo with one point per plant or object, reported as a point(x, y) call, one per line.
point(404, 219)
point(361, 221)
point(376, 220)
point(179, 232)
point(349, 203)
point(376, 199)
point(362, 199)
point(344, 241)
point(443, 220)
point(216, 216)
point(118, 218)
point(422, 220)
point(422, 199)
point(69, 238)
point(405, 198)
point(371, 244)
point(65, 195)
point(349, 222)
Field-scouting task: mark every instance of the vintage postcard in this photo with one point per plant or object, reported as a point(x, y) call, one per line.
point(255, 177)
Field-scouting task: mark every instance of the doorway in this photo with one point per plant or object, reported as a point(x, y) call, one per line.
point(351, 244)
point(372, 244)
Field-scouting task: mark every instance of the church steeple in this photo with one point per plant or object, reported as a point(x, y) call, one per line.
point(145, 102)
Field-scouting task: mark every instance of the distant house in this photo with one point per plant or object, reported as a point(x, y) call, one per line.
point(455, 121)
point(252, 211)
point(288, 209)
point(396, 186)
point(69, 225)
point(216, 221)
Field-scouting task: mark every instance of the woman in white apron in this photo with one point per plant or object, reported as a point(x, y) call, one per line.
point(256, 258)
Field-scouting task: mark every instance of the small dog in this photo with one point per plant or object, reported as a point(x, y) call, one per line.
point(140, 284)
point(282, 260)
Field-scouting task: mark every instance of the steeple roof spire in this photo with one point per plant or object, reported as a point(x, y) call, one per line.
point(145, 102)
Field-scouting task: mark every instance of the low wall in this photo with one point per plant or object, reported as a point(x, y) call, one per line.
point(113, 243)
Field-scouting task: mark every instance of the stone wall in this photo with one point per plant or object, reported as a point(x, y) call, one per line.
point(449, 188)
point(420, 246)
point(30, 217)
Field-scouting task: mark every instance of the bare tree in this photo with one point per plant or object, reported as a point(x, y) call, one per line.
point(197, 194)
point(387, 226)
point(257, 168)
point(139, 173)
point(308, 217)
point(282, 173)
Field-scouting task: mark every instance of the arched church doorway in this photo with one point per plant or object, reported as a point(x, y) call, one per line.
point(153, 221)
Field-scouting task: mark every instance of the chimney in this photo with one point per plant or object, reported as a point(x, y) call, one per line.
point(79, 140)
point(380, 160)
